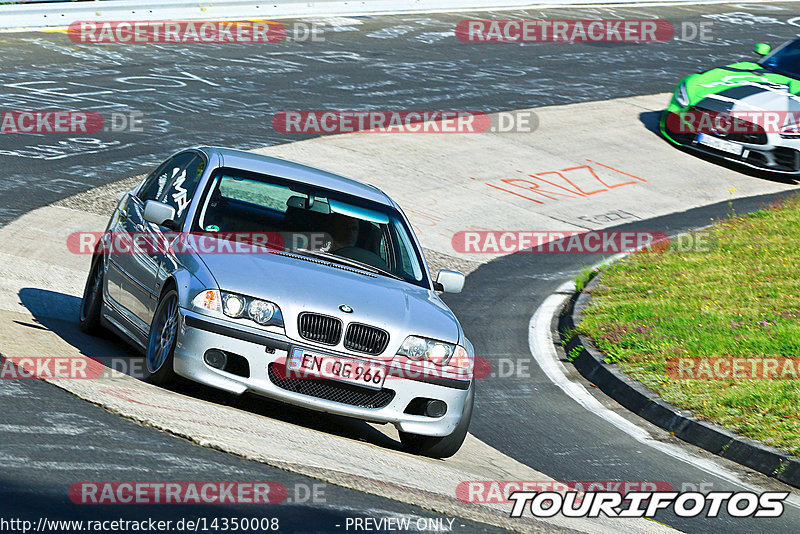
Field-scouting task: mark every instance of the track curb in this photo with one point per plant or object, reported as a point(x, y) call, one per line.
point(646, 403)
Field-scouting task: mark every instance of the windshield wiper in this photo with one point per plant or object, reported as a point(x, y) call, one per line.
point(347, 261)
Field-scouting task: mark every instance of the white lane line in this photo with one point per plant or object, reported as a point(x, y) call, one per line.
point(542, 348)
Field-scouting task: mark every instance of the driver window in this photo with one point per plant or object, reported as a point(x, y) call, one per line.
point(175, 182)
point(152, 186)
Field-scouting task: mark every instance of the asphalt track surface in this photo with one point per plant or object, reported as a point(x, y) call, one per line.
point(51, 439)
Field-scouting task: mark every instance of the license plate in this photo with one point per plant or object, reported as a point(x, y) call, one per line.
point(304, 364)
point(720, 144)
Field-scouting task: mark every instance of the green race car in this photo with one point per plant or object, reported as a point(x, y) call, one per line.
point(747, 112)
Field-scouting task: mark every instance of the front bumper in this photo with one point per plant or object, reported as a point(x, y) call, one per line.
point(776, 154)
point(199, 333)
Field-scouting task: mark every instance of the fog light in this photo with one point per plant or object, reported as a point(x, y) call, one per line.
point(436, 408)
point(216, 358)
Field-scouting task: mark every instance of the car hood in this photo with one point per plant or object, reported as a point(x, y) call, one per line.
point(743, 86)
point(300, 284)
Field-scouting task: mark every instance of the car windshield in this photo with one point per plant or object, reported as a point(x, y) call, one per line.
point(785, 60)
point(310, 221)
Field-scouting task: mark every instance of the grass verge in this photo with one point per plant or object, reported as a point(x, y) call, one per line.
point(732, 291)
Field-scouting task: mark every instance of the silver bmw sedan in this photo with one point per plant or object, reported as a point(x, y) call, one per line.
point(254, 274)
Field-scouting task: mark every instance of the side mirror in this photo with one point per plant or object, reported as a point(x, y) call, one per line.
point(449, 282)
point(159, 213)
point(762, 49)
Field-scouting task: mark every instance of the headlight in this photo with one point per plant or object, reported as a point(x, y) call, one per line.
point(420, 348)
point(681, 96)
point(233, 305)
point(237, 306)
point(791, 131)
point(261, 311)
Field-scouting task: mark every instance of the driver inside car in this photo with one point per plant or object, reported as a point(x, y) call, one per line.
point(344, 232)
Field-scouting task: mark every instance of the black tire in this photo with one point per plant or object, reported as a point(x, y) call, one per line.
point(161, 343)
point(446, 446)
point(92, 301)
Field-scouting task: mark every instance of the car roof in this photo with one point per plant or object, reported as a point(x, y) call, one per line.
point(281, 168)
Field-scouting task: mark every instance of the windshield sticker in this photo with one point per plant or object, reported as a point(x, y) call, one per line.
point(180, 194)
point(162, 181)
point(212, 228)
